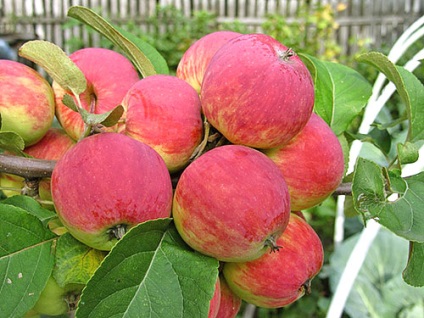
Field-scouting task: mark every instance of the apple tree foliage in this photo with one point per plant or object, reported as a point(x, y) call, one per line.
point(151, 271)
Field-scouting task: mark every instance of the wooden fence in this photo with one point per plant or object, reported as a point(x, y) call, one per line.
point(380, 21)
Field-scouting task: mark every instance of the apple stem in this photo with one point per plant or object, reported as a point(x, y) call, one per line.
point(117, 231)
point(306, 287)
point(221, 141)
point(88, 129)
point(272, 244)
point(286, 55)
point(199, 149)
point(31, 187)
point(71, 300)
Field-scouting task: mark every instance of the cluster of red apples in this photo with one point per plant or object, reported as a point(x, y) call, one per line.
point(229, 147)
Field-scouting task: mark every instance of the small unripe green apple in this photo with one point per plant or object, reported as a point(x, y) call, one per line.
point(278, 279)
point(32, 314)
point(27, 105)
point(55, 300)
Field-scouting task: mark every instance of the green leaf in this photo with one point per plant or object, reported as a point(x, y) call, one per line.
point(26, 260)
point(414, 271)
point(345, 148)
point(405, 216)
point(396, 182)
point(402, 216)
point(56, 63)
point(380, 138)
point(379, 290)
point(68, 101)
point(368, 188)
point(107, 119)
point(340, 92)
point(407, 153)
point(409, 87)
point(11, 141)
point(95, 21)
point(158, 61)
point(151, 272)
point(75, 261)
point(31, 206)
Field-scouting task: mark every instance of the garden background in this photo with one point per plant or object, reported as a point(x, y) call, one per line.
point(330, 30)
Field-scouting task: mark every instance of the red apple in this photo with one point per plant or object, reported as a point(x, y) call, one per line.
point(230, 303)
point(231, 203)
point(312, 164)
point(278, 279)
point(164, 112)
point(52, 146)
point(257, 92)
point(109, 75)
point(195, 60)
point(26, 101)
point(108, 183)
point(215, 301)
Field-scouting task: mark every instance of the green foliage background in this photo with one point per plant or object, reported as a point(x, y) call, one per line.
point(172, 33)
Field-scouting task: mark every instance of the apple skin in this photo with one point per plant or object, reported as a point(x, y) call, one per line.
point(109, 75)
point(195, 60)
point(231, 203)
point(52, 146)
point(32, 314)
point(257, 92)
point(108, 180)
point(312, 164)
point(164, 112)
point(279, 279)
point(230, 303)
point(53, 299)
point(27, 104)
point(215, 301)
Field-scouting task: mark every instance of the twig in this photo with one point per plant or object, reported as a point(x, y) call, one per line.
point(344, 189)
point(31, 168)
point(28, 168)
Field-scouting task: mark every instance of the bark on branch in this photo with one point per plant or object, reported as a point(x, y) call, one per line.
point(344, 189)
point(28, 168)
